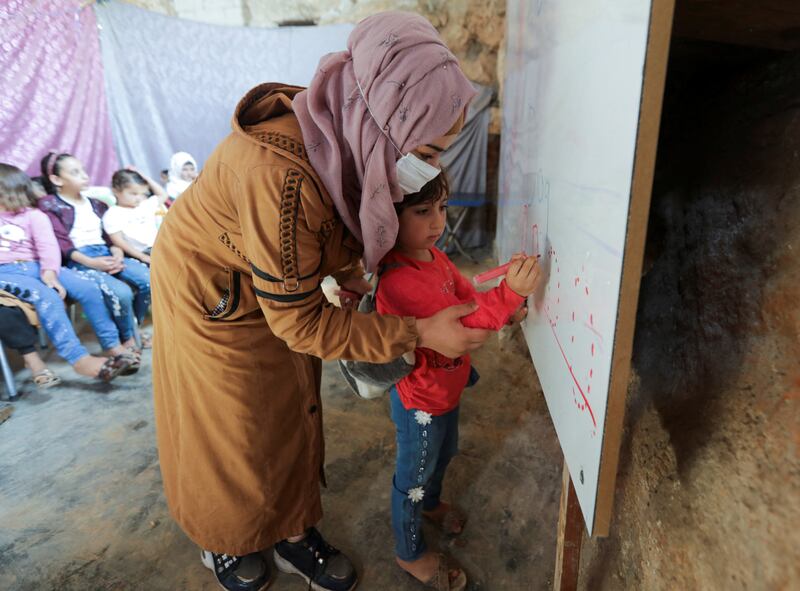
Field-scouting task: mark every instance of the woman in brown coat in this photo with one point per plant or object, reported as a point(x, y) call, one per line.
point(302, 188)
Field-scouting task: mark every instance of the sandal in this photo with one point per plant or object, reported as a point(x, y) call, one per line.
point(46, 379)
point(440, 581)
point(451, 523)
point(134, 356)
point(146, 340)
point(113, 367)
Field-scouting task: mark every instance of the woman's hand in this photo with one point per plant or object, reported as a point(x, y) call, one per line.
point(352, 291)
point(444, 333)
point(523, 275)
point(50, 279)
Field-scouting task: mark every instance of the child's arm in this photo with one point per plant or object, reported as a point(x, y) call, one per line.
point(47, 251)
point(157, 189)
point(118, 240)
point(498, 305)
point(44, 241)
point(107, 264)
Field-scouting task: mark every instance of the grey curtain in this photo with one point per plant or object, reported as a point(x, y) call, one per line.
point(172, 84)
point(465, 162)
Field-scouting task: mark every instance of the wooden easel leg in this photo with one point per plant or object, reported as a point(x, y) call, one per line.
point(570, 534)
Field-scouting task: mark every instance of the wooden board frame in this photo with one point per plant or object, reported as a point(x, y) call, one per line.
point(570, 537)
point(655, 70)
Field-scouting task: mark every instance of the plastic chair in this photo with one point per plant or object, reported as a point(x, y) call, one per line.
point(8, 375)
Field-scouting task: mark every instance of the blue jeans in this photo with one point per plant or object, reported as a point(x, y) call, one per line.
point(425, 446)
point(22, 280)
point(135, 274)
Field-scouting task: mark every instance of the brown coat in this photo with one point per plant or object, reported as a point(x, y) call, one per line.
point(240, 325)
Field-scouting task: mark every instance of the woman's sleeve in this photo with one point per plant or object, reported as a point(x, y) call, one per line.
point(285, 259)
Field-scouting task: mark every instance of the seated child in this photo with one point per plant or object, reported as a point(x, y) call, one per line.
point(30, 269)
point(132, 224)
point(419, 280)
point(16, 332)
point(182, 171)
point(85, 246)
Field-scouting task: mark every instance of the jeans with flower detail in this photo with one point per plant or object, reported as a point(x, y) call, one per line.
point(425, 446)
point(22, 279)
point(124, 305)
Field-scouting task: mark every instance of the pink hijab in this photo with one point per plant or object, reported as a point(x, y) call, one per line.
point(416, 92)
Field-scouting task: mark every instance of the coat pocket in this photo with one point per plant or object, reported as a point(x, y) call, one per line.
point(222, 296)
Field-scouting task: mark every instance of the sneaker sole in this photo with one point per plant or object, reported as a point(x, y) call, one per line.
point(209, 564)
point(287, 567)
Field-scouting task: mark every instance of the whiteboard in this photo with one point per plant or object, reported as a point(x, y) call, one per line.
point(575, 73)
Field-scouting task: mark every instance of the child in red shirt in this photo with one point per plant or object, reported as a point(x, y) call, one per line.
point(416, 279)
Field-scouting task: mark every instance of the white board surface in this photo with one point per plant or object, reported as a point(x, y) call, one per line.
point(573, 87)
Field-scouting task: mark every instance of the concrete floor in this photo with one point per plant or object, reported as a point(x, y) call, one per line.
point(82, 508)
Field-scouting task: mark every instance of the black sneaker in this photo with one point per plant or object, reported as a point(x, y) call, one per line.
point(238, 573)
point(322, 566)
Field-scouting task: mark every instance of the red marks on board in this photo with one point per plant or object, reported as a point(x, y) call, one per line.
point(570, 303)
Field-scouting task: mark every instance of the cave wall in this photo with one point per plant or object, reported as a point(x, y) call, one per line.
point(709, 479)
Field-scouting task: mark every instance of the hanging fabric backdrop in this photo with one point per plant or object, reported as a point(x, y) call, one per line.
point(466, 163)
point(51, 80)
point(173, 84)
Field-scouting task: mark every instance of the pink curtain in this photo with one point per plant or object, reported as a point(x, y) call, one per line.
point(52, 94)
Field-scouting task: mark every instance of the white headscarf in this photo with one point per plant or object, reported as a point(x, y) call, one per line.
point(176, 185)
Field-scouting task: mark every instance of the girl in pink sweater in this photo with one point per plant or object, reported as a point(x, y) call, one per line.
point(30, 269)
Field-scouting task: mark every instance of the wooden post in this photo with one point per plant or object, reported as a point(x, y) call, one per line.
point(570, 535)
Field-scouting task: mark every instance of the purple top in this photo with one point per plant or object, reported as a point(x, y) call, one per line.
point(62, 216)
point(28, 236)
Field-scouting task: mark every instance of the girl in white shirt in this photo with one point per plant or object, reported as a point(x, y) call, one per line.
point(132, 224)
point(85, 245)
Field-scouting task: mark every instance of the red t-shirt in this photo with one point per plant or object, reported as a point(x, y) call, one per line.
point(421, 289)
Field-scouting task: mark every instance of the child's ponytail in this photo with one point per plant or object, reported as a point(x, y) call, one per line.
point(51, 164)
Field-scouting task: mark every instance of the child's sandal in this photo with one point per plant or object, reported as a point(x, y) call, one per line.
point(441, 580)
point(134, 356)
point(46, 379)
point(146, 340)
point(113, 367)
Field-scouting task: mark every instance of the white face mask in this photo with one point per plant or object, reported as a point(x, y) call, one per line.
point(413, 173)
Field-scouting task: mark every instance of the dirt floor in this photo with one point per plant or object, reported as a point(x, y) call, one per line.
point(82, 508)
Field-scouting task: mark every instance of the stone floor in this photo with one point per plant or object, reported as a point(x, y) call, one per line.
point(82, 508)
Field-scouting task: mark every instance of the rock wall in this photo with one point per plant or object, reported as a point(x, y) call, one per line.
point(707, 492)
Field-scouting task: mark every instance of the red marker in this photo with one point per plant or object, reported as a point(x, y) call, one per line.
point(494, 273)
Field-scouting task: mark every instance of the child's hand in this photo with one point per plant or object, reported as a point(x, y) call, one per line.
point(106, 264)
point(519, 315)
point(523, 275)
point(145, 258)
point(50, 279)
point(117, 253)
